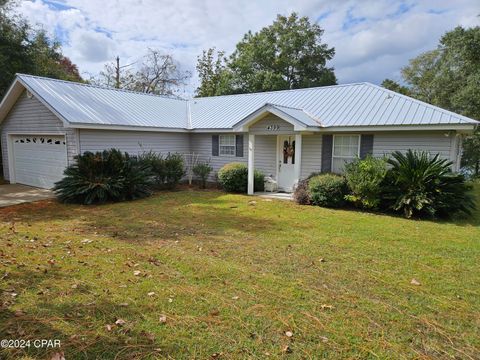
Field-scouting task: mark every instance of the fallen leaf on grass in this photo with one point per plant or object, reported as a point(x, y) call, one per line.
point(19, 313)
point(214, 312)
point(235, 297)
point(151, 293)
point(288, 333)
point(108, 327)
point(120, 322)
point(287, 349)
point(415, 282)
point(326, 307)
point(123, 304)
point(137, 272)
point(162, 319)
point(58, 356)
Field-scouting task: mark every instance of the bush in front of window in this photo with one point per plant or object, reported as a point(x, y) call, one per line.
point(364, 179)
point(233, 177)
point(328, 190)
point(101, 177)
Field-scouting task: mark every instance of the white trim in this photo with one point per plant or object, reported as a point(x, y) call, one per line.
point(388, 128)
point(251, 164)
point(10, 150)
point(127, 128)
point(298, 158)
point(278, 160)
point(244, 124)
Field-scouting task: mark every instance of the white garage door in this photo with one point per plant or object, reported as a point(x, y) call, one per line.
point(39, 160)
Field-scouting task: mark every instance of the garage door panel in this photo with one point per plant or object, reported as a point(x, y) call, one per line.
point(39, 160)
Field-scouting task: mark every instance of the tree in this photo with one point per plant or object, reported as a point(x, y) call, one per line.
point(395, 86)
point(449, 77)
point(24, 49)
point(157, 73)
point(213, 73)
point(289, 54)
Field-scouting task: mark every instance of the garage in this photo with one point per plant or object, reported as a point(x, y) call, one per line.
point(38, 160)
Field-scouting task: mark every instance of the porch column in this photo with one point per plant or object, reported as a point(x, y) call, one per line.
point(251, 163)
point(298, 157)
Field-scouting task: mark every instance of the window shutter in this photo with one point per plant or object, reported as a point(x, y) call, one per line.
point(327, 143)
point(239, 145)
point(214, 145)
point(366, 146)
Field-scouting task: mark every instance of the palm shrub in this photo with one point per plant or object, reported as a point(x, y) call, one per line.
point(202, 171)
point(364, 179)
point(102, 177)
point(233, 177)
point(418, 184)
point(327, 190)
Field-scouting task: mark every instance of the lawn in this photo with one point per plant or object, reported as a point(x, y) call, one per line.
point(203, 274)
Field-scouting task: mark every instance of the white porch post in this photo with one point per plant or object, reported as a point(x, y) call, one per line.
point(298, 157)
point(251, 163)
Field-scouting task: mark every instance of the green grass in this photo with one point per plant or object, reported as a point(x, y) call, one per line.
point(232, 276)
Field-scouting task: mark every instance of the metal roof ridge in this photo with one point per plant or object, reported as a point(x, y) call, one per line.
point(99, 86)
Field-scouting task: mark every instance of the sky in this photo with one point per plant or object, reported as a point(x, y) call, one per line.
point(373, 39)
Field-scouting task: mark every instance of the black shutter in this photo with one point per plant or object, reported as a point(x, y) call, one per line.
point(239, 145)
point(214, 145)
point(327, 143)
point(366, 146)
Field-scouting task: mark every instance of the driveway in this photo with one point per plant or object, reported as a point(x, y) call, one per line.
point(12, 194)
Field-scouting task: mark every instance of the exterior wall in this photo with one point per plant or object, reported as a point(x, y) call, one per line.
point(266, 154)
point(260, 127)
point(433, 142)
point(134, 142)
point(202, 144)
point(311, 154)
point(30, 116)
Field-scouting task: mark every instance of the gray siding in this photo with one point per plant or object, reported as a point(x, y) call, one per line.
point(202, 144)
point(134, 142)
point(311, 154)
point(261, 126)
point(30, 116)
point(266, 154)
point(433, 142)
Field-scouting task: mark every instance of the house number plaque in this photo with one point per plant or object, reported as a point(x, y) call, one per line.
point(273, 127)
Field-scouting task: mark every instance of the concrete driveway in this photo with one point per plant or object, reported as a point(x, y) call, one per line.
point(12, 194)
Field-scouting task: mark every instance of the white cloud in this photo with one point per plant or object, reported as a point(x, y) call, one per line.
point(373, 38)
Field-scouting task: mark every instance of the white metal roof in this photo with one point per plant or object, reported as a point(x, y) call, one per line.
point(349, 105)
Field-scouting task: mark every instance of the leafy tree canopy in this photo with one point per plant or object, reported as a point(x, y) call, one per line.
point(24, 49)
point(289, 54)
point(449, 77)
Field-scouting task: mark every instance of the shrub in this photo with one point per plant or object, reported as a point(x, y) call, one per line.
point(104, 176)
point(418, 184)
point(327, 190)
point(167, 171)
point(364, 180)
point(174, 170)
point(301, 195)
point(202, 171)
point(233, 177)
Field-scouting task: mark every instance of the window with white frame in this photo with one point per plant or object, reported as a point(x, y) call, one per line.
point(227, 145)
point(345, 149)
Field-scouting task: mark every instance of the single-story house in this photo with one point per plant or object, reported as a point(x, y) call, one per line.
point(285, 134)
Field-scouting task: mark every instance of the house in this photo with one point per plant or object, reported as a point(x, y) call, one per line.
point(286, 134)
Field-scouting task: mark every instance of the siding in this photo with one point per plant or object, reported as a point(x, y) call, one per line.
point(266, 154)
point(433, 142)
point(311, 155)
point(261, 126)
point(202, 144)
point(134, 142)
point(30, 116)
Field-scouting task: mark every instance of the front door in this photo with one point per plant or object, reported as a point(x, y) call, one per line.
point(286, 162)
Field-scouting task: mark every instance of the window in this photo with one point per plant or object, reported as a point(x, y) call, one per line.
point(345, 149)
point(227, 145)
